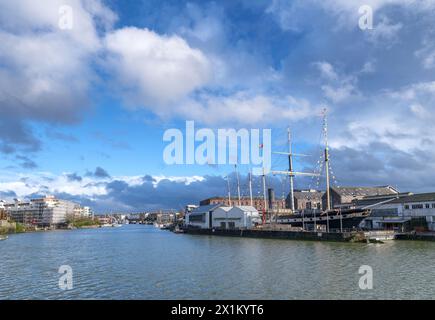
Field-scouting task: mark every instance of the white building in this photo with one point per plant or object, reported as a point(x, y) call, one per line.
point(399, 211)
point(221, 218)
point(45, 211)
point(83, 212)
point(217, 216)
point(201, 217)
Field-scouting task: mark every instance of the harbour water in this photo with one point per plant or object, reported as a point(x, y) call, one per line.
point(142, 262)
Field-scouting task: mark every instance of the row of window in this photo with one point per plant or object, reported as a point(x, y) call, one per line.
point(420, 206)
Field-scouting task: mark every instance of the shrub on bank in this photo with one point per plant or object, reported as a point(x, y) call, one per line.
point(83, 222)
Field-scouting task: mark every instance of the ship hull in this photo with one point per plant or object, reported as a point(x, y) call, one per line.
point(334, 220)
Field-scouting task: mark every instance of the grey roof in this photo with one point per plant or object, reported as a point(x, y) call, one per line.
point(370, 200)
point(419, 197)
point(364, 191)
point(246, 208)
point(207, 208)
point(312, 195)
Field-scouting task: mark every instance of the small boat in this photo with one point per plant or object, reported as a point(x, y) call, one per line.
point(166, 226)
point(3, 237)
point(106, 225)
point(177, 229)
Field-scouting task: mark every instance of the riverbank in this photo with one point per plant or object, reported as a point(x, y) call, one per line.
point(7, 227)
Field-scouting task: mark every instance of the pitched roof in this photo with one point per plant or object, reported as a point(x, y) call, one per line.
point(371, 200)
point(207, 208)
point(312, 195)
point(246, 208)
point(419, 197)
point(364, 191)
point(225, 208)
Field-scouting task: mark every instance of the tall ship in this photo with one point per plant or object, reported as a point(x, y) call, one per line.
point(328, 218)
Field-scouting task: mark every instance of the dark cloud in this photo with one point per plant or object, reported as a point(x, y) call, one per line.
point(98, 173)
point(169, 194)
point(26, 162)
point(148, 178)
point(7, 194)
point(378, 164)
point(15, 134)
point(74, 177)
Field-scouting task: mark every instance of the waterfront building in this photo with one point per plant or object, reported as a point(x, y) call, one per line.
point(106, 219)
point(404, 212)
point(223, 217)
point(257, 202)
point(243, 217)
point(201, 217)
point(83, 212)
point(189, 208)
point(3, 212)
point(306, 199)
point(42, 212)
point(344, 197)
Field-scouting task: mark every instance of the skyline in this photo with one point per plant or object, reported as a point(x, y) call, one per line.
point(84, 109)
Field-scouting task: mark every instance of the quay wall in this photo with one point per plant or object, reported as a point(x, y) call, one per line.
point(277, 234)
point(416, 236)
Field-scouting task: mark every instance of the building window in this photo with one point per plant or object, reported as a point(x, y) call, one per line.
point(231, 225)
point(427, 206)
point(406, 207)
point(433, 205)
point(417, 206)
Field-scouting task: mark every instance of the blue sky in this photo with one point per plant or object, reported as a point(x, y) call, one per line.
point(97, 97)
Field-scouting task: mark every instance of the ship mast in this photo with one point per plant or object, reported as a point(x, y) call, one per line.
point(250, 188)
point(238, 184)
point(325, 132)
point(290, 169)
point(264, 196)
point(229, 191)
point(291, 173)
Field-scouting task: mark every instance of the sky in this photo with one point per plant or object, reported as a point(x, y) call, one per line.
point(88, 88)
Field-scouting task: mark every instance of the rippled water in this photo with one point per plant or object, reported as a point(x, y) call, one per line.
point(141, 262)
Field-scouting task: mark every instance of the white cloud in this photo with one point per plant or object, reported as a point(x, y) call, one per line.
point(45, 72)
point(419, 110)
point(336, 87)
point(427, 52)
point(339, 93)
point(326, 70)
point(368, 67)
point(400, 118)
point(244, 108)
point(155, 69)
point(384, 33)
